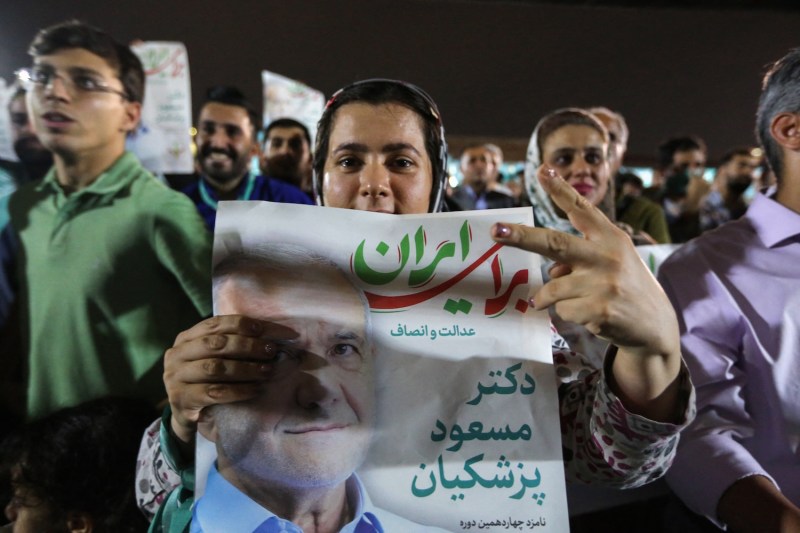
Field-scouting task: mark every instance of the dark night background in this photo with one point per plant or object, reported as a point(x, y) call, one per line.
point(494, 67)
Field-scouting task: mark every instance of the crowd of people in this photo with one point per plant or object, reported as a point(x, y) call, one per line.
point(106, 292)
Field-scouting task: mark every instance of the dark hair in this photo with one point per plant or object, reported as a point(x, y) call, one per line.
point(19, 91)
point(780, 94)
point(474, 146)
point(633, 179)
point(683, 143)
point(615, 116)
point(381, 91)
point(730, 154)
point(229, 95)
point(287, 123)
point(76, 34)
point(82, 459)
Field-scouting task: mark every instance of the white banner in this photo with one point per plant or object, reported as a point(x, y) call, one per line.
point(467, 431)
point(6, 142)
point(654, 255)
point(288, 98)
point(162, 142)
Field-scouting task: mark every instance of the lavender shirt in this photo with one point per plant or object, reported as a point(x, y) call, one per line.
point(737, 293)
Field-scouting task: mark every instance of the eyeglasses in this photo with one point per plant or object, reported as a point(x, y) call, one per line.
point(77, 81)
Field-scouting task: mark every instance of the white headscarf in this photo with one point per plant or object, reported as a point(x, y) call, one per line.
point(543, 208)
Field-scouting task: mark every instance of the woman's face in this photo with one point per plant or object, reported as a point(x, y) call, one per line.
point(377, 160)
point(578, 153)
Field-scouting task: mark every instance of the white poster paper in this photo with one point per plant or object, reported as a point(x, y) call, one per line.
point(467, 431)
point(162, 142)
point(288, 98)
point(654, 255)
point(6, 143)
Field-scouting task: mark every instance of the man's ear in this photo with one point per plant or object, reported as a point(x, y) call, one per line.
point(133, 114)
point(785, 129)
point(206, 425)
point(79, 523)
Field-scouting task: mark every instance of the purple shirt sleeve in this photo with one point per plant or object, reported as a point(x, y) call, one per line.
point(730, 287)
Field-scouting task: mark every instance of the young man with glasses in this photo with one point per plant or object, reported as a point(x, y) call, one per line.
point(107, 264)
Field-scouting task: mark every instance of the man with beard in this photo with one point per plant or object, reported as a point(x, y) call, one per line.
point(480, 188)
point(679, 186)
point(737, 293)
point(725, 202)
point(34, 159)
point(286, 458)
point(645, 217)
point(226, 144)
point(286, 154)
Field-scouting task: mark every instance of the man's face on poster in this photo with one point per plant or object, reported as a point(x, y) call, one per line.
point(312, 424)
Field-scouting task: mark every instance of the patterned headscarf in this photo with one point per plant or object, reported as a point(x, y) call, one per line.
point(544, 211)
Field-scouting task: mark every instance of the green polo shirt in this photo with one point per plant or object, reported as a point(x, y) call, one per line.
point(108, 276)
point(644, 215)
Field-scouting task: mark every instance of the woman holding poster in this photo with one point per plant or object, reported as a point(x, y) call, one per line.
point(380, 147)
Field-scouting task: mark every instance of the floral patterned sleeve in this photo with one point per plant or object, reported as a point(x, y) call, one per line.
point(156, 476)
point(604, 443)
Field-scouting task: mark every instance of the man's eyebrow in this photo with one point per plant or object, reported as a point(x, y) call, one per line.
point(84, 70)
point(348, 335)
point(214, 123)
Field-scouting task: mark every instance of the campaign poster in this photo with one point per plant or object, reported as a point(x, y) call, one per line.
point(6, 142)
point(288, 98)
point(654, 255)
point(162, 141)
point(417, 331)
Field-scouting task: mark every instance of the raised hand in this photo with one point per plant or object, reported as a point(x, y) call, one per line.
point(222, 359)
point(600, 282)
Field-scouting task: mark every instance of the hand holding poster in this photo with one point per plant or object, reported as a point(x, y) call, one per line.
point(162, 141)
point(412, 379)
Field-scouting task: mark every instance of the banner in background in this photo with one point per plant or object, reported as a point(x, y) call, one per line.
point(6, 144)
point(163, 141)
point(288, 98)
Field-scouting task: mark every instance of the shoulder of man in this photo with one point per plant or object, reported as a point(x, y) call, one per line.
point(693, 258)
point(11, 173)
point(461, 199)
point(273, 189)
point(21, 200)
point(153, 193)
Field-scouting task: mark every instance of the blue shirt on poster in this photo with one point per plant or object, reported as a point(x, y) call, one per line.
point(223, 507)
